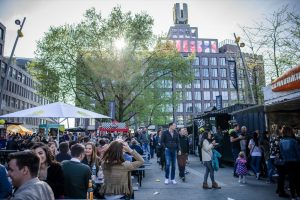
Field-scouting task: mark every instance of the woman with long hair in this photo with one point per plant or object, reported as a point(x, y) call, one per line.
point(206, 149)
point(117, 176)
point(53, 148)
point(91, 157)
point(50, 170)
point(255, 153)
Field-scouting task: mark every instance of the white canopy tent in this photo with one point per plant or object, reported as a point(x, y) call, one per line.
point(55, 111)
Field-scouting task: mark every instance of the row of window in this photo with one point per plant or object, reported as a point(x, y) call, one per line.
point(16, 103)
point(214, 72)
point(21, 91)
point(205, 61)
point(206, 84)
point(19, 76)
point(194, 107)
point(204, 95)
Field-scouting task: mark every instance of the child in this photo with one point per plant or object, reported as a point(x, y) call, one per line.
point(241, 169)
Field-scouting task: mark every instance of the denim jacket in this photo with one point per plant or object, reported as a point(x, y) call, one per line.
point(289, 150)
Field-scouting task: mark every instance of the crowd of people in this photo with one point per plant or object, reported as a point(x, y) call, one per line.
point(268, 155)
point(64, 170)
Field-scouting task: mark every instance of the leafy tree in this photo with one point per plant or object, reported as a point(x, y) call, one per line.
point(93, 72)
point(277, 39)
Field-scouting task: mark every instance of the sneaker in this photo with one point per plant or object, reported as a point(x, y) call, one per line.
point(174, 182)
point(257, 176)
point(166, 181)
point(240, 181)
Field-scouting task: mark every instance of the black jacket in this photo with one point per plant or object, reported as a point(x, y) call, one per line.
point(184, 144)
point(167, 141)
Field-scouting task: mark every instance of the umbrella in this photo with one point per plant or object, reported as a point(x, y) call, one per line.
point(55, 110)
point(18, 129)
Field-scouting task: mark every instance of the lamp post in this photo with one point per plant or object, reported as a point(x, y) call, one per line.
point(239, 45)
point(20, 34)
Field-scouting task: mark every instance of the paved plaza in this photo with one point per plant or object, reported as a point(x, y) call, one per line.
point(192, 188)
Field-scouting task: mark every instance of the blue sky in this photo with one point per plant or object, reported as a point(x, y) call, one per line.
point(217, 19)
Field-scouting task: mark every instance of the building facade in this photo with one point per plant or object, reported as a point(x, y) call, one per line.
point(20, 91)
point(217, 72)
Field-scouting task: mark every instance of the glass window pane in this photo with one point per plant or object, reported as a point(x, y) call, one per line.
point(224, 84)
point(213, 61)
point(215, 84)
point(206, 95)
point(196, 61)
point(204, 61)
point(197, 84)
point(215, 93)
point(188, 95)
point(197, 95)
point(223, 72)
point(197, 107)
point(224, 95)
point(197, 72)
point(205, 72)
point(222, 61)
point(205, 83)
point(214, 72)
point(188, 107)
point(180, 107)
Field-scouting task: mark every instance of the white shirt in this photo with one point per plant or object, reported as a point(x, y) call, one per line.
point(256, 151)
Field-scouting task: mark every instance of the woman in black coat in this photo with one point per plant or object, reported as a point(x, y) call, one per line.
point(50, 170)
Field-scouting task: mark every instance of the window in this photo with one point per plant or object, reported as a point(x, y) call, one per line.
point(14, 74)
point(204, 61)
point(180, 107)
point(222, 61)
point(224, 95)
point(241, 84)
point(1, 48)
point(233, 95)
point(213, 61)
point(215, 93)
point(224, 84)
point(168, 94)
point(1, 34)
point(197, 107)
point(241, 73)
point(205, 83)
point(197, 84)
point(178, 85)
point(225, 104)
point(189, 85)
point(206, 105)
point(167, 84)
point(205, 72)
point(197, 72)
point(3, 67)
point(188, 95)
point(196, 61)
point(215, 84)
point(206, 95)
point(197, 95)
point(214, 72)
point(223, 72)
point(189, 107)
point(231, 85)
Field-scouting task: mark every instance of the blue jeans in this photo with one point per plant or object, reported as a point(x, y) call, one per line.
point(271, 168)
point(146, 148)
point(170, 160)
point(255, 163)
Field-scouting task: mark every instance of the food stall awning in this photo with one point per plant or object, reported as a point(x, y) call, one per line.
point(113, 127)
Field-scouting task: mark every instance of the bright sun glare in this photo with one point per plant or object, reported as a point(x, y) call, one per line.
point(120, 43)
